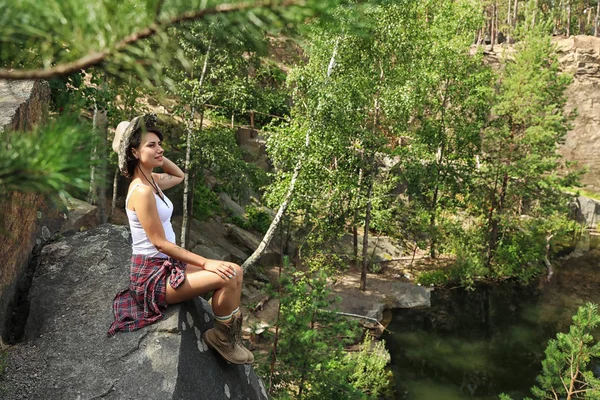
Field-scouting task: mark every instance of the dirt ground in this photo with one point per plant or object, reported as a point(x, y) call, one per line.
point(259, 310)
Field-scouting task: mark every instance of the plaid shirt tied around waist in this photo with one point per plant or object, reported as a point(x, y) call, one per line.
point(145, 301)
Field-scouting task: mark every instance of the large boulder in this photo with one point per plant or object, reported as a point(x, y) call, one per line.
point(587, 211)
point(67, 354)
point(80, 216)
point(380, 249)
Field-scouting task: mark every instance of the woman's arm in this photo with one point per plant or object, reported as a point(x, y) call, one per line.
point(172, 176)
point(144, 205)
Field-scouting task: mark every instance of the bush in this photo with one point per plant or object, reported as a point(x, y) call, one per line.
point(310, 360)
point(206, 203)
point(368, 372)
point(258, 219)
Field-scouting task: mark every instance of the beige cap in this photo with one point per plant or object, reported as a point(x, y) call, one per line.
point(116, 144)
point(124, 133)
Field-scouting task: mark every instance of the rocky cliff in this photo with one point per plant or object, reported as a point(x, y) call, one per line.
point(26, 220)
point(68, 356)
point(580, 56)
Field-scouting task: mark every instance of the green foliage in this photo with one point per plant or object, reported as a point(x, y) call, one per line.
point(438, 277)
point(53, 160)
point(206, 203)
point(258, 218)
point(310, 357)
point(369, 374)
point(565, 370)
point(64, 31)
point(216, 151)
point(452, 97)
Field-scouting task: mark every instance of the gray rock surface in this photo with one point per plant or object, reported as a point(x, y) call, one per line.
point(580, 55)
point(228, 204)
point(27, 220)
point(68, 356)
point(211, 234)
point(250, 242)
point(409, 295)
point(587, 211)
point(380, 249)
point(80, 216)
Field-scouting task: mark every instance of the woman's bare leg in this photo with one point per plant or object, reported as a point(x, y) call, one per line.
point(199, 281)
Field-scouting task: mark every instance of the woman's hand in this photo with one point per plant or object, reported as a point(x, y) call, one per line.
point(221, 268)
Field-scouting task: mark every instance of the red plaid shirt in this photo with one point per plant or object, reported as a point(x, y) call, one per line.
point(144, 302)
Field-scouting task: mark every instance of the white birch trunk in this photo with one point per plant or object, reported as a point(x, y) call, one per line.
point(113, 203)
point(92, 191)
point(102, 124)
point(264, 243)
point(186, 176)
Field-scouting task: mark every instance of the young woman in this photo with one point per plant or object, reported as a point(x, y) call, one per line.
point(161, 272)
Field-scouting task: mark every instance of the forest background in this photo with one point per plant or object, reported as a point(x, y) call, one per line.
point(384, 119)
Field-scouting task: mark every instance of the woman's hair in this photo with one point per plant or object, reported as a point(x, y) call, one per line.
point(134, 143)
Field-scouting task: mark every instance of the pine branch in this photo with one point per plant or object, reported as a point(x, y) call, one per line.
point(98, 57)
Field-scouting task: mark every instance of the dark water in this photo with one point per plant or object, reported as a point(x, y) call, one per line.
point(476, 345)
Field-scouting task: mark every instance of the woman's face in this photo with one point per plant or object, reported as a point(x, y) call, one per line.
point(150, 151)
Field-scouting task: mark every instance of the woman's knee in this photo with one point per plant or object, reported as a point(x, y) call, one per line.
point(239, 273)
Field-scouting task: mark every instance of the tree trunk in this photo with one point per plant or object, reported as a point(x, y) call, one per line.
point(365, 248)
point(355, 222)
point(568, 18)
point(589, 18)
point(596, 21)
point(535, 10)
point(355, 243)
point(515, 18)
point(508, 22)
point(433, 243)
point(493, 29)
point(101, 178)
point(91, 198)
point(186, 179)
point(250, 261)
point(113, 204)
point(495, 222)
point(276, 339)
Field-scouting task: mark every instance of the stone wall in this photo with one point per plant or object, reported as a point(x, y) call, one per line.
point(580, 56)
point(25, 220)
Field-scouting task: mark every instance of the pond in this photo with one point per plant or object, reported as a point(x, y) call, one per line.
point(478, 344)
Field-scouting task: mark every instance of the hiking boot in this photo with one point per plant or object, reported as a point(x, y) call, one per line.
point(222, 339)
point(237, 332)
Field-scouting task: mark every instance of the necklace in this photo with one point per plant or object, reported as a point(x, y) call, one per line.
point(154, 185)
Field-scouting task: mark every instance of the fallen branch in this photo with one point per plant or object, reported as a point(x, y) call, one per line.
point(261, 304)
point(356, 316)
point(97, 57)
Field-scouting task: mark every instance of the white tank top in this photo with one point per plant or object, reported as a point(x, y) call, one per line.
point(140, 242)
